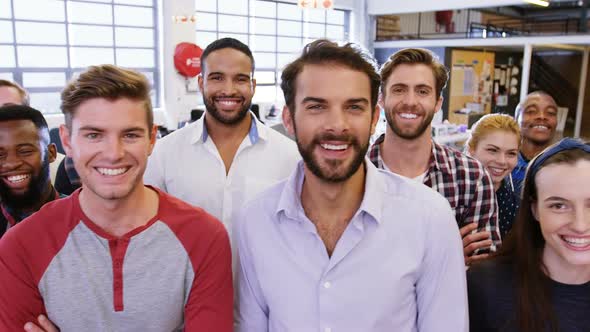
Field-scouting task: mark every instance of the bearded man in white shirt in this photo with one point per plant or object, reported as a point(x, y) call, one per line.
point(228, 156)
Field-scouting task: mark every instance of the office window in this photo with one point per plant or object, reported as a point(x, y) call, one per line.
point(45, 43)
point(275, 31)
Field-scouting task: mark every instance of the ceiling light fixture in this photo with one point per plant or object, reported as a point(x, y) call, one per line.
point(543, 3)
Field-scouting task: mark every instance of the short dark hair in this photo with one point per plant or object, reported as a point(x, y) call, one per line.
point(412, 56)
point(226, 43)
point(520, 107)
point(109, 82)
point(24, 112)
point(323, 51)
point(24, 96)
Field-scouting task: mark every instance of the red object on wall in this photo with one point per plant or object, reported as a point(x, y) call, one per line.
point(445, 18)
point(187, 59)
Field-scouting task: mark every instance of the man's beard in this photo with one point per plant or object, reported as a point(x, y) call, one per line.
point(217, 115)
point(33, 195)
point(408, 135)
point(540, 142)
point(306, 152)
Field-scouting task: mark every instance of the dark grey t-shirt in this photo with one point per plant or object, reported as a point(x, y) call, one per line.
point(492, 304)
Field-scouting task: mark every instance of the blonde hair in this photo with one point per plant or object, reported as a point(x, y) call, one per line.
point(109, 82)
point(490, 123)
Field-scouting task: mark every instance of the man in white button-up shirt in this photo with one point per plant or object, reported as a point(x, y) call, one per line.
point(342, 246)
point(228, 156)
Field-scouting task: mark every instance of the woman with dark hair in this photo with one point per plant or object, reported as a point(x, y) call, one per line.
point(540, 279)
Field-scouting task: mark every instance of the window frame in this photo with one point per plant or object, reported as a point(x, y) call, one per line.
point(303, 20)
point(18, 71)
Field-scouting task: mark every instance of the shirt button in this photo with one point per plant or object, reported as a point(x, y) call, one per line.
point(327, 284)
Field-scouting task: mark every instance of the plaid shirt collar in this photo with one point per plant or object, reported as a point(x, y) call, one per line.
point(71, 172)
point(439, 159)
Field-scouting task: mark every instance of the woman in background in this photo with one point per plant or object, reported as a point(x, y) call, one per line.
point(494, 141)
point(540, 279)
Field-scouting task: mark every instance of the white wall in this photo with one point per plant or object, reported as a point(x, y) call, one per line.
point(176, 102)
point(384, 7)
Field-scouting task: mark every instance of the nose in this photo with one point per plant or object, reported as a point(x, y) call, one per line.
point(228, 87)
point(410, 99)
point(501, 159)
point(581, 221)
point(337, 120)
point(542, 114)
point(114, 149)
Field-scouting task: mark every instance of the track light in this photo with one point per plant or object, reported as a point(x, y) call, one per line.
point(543, 3)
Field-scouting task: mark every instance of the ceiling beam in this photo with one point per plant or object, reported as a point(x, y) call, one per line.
point(381, 7)
point(577, 42)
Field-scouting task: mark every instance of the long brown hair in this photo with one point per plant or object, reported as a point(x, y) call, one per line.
point(523, 247)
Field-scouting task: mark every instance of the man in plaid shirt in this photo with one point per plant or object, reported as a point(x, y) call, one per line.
point(411, 85)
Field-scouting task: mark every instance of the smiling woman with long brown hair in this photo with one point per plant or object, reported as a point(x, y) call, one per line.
point(540, 280)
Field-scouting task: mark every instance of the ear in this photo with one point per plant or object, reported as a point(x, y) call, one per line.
point(375, 118)
point(253, 85)
point(200, 82)
point(288, 121)
point(438, 105)
point(52, 152)
point(65, 136)
point(153, 133)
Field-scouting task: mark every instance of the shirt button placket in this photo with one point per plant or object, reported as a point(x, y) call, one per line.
point(326, 285)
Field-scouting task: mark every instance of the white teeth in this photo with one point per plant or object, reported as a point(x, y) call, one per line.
point(577, 241)
point(17, 178)
point(495, 170)
point(541, 127)
point(335, 147)
point(111, 171)
point(227, 102)
point(408, 115)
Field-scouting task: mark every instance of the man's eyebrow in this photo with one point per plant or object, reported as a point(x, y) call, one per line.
point(357, 101)
point(90, 128)
point(314, 100)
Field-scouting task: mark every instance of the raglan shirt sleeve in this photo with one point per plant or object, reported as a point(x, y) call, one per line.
point(20, 299)
point(210, 303)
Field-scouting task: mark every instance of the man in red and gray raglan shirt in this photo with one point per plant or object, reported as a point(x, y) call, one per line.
point(116, 255)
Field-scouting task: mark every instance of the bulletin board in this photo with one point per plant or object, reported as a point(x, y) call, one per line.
point(471, 81)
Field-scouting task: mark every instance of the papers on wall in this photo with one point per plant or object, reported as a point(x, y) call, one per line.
point(463, 80)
